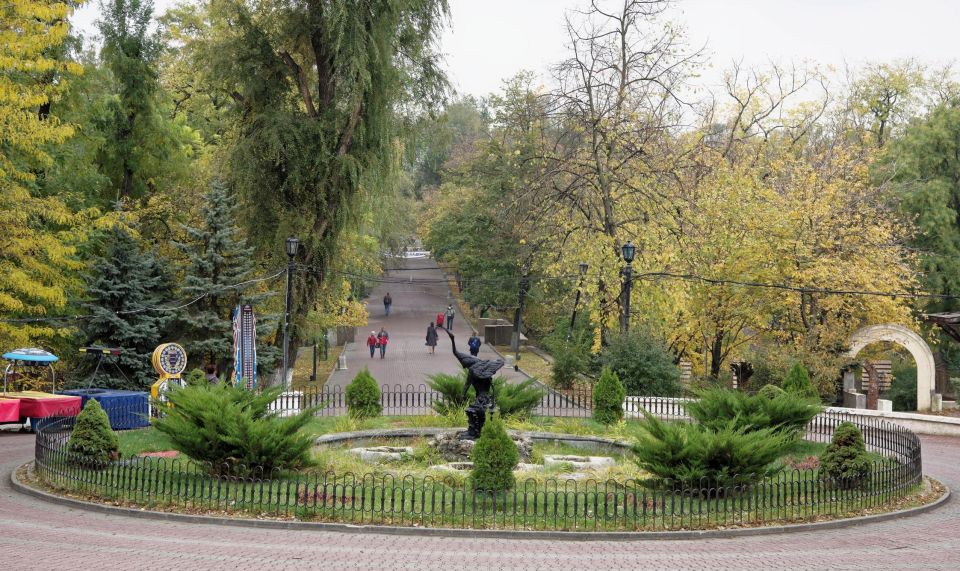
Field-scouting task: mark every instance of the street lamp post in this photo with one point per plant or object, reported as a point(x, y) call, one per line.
point(576, 301)
point(292, 245)
point(628, 251)
point(518, 316)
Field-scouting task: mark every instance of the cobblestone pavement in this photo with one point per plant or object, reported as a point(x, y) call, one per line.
point(40, 535)
point(416, 303)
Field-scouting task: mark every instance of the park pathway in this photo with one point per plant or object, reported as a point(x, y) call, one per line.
point(39, 535)
point(419, 292)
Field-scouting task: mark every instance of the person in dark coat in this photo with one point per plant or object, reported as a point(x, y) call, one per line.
point(431, 337)
point(474, 344)
point(387, 304)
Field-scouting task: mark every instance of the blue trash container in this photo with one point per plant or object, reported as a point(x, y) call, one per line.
point(125, 409)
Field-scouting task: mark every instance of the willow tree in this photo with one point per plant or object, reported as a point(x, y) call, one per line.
point(321, 90)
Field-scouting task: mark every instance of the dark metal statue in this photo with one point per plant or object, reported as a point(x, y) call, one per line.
point(480, 374)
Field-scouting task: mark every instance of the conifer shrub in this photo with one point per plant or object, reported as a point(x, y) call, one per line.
point(494, 457)
point(195, 377)
point(798, 383)
point(717, 408)
point(363, 396)
point(644, 364)
point(513, 400)
point(608, 395)
point(233, 430)
point(567, 365)
point(93, 443)
point(693, 456)
point(846, 459)
point(770, 392)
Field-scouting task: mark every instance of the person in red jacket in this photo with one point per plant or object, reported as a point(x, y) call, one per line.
point(382, 339)
point(372, 343)
point(440, 319)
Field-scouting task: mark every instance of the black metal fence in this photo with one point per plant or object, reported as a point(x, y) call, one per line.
point(534, 503)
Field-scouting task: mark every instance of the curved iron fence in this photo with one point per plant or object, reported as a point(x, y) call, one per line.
point(552, 504)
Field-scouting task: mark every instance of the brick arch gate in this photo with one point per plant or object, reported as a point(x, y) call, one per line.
point(926, 370)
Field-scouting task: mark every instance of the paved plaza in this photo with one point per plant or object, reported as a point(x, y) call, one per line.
point(420, 294)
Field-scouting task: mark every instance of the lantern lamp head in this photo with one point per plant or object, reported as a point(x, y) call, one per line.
point(292, 246)
point(629, 251)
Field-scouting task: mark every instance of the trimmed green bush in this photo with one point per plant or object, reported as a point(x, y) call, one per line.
point(233, 430)
point(846, 459)
point(683, 455)
point(92, 442)
point(644, 365)
point(513, 400)
point(494, 457)
point(798, 383)
point(608, 397)
point(770, 392)
point(363, 396)
point(719, 408)
point(196, 377)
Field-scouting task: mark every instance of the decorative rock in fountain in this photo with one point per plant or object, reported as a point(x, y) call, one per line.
point(382, 453)
point(580, 462)
point(453, 448)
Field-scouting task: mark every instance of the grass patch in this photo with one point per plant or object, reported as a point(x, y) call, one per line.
point(303, 368)
point(133, 442)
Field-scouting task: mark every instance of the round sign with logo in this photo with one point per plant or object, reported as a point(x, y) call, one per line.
point(169, 360)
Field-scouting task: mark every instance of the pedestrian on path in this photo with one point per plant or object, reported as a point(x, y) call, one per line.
point(431, 337)
point(440, 319)
point(372, 343)
point(474, 344)
point(382, 339)
point(449, 317)
point(387, 303)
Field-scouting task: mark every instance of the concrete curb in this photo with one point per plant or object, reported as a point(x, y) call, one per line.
point(471, 533)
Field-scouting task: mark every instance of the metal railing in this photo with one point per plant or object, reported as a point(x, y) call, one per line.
point(540, 504)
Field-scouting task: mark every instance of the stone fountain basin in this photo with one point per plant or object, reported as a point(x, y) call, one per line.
point(382, 453)
point(579, 462)
point(467, 466)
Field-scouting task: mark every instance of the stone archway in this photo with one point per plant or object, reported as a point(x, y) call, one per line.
point(912, 342)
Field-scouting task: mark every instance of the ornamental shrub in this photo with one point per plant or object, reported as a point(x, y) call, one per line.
point(608, 395)
point(644, 365)
point(93, 443)
point(846, 459)
point(798, 383)
point(494, 457)
point(692, 456)
point(718, 408)
point(363, 396)
point(770, 392)
point(233, 429)
point(513, 400)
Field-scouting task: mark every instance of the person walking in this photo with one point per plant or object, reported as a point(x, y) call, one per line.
point(431, 337)
point(387, 303)
point(382, 339)
point(372, 343)
point(449, 318)
point(474, 344)
point(440, 319)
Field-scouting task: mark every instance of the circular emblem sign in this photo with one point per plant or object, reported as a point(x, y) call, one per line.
point(169, 360)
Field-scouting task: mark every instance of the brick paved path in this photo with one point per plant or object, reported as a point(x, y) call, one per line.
point(39, 535)
point(416, 303)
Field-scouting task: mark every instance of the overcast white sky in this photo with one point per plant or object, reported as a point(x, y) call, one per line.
point(491, 40)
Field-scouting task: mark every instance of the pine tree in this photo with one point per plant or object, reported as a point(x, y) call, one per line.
point(217, 259)
point(125, 281)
